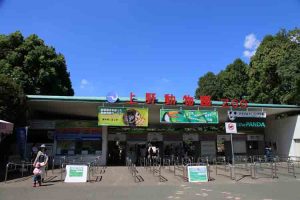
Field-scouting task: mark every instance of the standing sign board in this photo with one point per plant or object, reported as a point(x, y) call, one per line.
point(76, 173)
point(197, 174)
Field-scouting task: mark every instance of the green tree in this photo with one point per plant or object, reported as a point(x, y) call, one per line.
point(234, 80)
point(36, 67)
point(274, 72)
point(209, 84)
point(12, 101)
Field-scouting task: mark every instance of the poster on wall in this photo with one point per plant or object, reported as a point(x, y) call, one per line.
point(189, 116)
point(134, 117)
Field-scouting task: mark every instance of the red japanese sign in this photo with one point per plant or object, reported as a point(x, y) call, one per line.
point(235, 103)
point(170, 99)
point(188, 100)
point(132, 95)
point(205, 101)
point(150, 98)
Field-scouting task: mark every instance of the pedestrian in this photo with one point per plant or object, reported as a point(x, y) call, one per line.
point(37, 174)
point(41, 157)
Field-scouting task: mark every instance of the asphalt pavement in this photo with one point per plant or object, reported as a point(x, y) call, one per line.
point(113, 183)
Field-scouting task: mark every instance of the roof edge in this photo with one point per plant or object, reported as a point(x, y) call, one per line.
point(141, 100)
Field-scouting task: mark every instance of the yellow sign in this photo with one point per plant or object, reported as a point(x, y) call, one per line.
point(123, 117)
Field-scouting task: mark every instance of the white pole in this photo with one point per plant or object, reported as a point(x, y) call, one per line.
point(232, 152)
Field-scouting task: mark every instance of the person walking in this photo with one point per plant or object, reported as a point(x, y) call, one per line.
point(42, 157)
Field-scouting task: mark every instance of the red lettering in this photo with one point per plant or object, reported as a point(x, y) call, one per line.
point(235, 103)
point(188, 100)
point(205, 101)
point(170, 99)
point(225, 103)
point(132, 95)
point(244, 103)
point(150, 98)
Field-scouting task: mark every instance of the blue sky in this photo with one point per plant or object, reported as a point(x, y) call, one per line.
point(140, 46)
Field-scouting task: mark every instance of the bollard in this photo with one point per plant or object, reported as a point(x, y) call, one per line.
point(232, 172)
point(89, 177)
point(7, 166)
point(52, 165)
point(22, 168)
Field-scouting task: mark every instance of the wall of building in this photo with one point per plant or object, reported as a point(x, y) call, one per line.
point(281, 133)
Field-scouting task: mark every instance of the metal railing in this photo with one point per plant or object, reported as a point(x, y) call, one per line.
point(22, 166)
point(133, 171)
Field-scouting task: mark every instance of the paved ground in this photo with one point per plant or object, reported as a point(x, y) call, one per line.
point(117, 183)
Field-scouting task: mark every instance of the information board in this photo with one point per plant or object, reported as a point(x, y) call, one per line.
point(76, 173)
point(197, 174)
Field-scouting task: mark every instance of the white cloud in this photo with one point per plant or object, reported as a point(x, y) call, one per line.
point(83, 83)
point(249, 53)
point(251, 43)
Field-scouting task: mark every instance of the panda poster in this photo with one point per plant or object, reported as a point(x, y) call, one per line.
point(134, 117)
point(189, 116)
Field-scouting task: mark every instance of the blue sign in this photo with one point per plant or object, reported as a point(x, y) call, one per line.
point(112, 97)
point(21, 141)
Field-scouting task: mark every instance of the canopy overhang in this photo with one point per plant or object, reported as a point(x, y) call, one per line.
point(6, 127)
point(87, 107)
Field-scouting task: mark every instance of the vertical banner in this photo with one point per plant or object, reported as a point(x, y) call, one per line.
point(21, 141)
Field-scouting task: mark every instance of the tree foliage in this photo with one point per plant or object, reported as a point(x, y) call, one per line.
point(275, 69)
point(230, 83)
point(12, 101)
point(234, 80)
point(36, 67)
point(273, 75)
point(209, 84)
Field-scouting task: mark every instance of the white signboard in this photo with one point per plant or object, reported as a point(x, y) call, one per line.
point(230, 127)
point(190, 137)
point(246, 114)
point(208, 148)
point(76, 173)
point(197, 174)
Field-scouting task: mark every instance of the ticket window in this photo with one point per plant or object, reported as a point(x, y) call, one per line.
point(78, 147)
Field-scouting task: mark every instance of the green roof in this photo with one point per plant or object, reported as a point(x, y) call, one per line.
point(139, 100)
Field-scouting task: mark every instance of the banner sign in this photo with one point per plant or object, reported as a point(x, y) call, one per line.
point(123, 117)
point(248, 119)
point(245, 114)
point(189, 116)
point(197, 174)
point(251, 124)
point(76, 173)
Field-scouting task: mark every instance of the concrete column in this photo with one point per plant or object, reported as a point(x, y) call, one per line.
point(104, 145)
